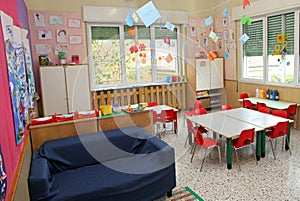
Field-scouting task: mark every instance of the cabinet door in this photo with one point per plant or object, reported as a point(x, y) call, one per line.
point(53, 87)
point(77, 79)
point(217, 78)
point(203, 78)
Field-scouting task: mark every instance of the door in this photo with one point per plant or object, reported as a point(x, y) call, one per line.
point(203, 77)
point(53, 88)
point(217, 78)
point(77, 79)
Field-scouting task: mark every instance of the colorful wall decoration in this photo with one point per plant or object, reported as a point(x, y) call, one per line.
point(20, 77)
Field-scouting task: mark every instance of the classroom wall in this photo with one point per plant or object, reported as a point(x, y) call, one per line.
point(11, 152)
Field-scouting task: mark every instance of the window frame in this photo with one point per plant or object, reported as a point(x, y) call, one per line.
point(124, 84)
point(296, 82)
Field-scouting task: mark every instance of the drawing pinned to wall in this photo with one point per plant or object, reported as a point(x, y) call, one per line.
point(205, 42)
point(226, 35)
point(193, 32)
point(192, 22)
point(44, 34)
point(219, 34)
point(3, 177)
point(61, 36)
point(39, 19)
point(75, 40)
point(56, 20)
point(225, 22)
point(231, 34)
point(74, 23)
point(58, 48)
point(42, 48)
point(16, 75)
point(29, 68)
point(202, 23)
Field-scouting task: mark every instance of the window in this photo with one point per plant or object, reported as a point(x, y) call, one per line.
point(268, 55)
point(123, 55)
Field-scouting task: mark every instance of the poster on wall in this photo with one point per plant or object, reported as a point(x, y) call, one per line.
point(16, 75)
point(3, 177)
point(29, 68)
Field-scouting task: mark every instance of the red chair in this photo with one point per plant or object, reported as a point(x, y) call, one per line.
point(243, 96)
point(226, 107)
point(247, 104)
point(279, 131)
point(191, 127)
point(280, 113)
point(245, 139)
point(291, 111)
point(264, 110)
point(258, 105)
point(197, 105)
point(206, 143)
point(169, 116)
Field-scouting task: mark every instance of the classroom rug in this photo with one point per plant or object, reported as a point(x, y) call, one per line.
point(182, 194)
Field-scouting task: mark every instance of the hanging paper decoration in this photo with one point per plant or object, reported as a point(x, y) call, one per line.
point(186, 43)
point(131, 31)
point(246, 3)
point(170, 26)
point(226, 55)
point(148, 13)
point(186, 60)
point(142, 47)
point(209, 20)
point(144, 61)
point(281, 46)
point(225, 12)
point(135, 17)
point(244, 38)
point(169, 58)
point(129, 18)
point(152, 56)
point(167, 40)
point(211, 55)
point(214, 36)
point(133, 49)
point(246, 20)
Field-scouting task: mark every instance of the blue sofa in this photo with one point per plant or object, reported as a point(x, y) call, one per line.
point(126, 164)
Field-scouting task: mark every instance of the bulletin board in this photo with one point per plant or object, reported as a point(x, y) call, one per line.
point(200, 43)
point(56, 31)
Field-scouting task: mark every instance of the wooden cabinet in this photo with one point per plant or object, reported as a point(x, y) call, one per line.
point(210, 82)
point(65, 89)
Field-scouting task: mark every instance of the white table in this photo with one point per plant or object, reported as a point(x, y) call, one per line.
point(226, 126)
point(259, 119)
point(277, 105)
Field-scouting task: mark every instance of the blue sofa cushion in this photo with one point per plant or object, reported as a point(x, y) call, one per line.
point(89, 149)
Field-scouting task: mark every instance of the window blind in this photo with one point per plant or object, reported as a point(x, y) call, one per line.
point(281, 24)
point(105, 33)
point(161, 33)
point(254, 45)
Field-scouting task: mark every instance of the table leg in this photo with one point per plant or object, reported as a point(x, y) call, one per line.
point(263, 143)
point(287, 145)
point(229, 153)
point(258, 145)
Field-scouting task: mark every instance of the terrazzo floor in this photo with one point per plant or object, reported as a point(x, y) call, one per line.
point(274, 180)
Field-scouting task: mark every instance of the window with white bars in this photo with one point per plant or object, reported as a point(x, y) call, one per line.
point(269, 55)
point(121, 56)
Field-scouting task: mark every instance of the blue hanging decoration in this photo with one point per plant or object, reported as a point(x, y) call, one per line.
point(129, 18)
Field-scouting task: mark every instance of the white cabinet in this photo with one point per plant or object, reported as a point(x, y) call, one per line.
point(210, 82)
point(209, 74)
point(65, 89)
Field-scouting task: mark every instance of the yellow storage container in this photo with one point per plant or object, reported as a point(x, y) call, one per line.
point(106, 109)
